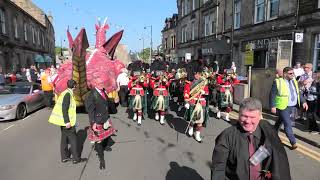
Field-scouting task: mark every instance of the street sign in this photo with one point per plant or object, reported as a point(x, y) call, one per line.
point(299, 37)
point(188, 56)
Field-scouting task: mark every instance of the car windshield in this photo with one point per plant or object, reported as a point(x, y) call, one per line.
point(15, 89)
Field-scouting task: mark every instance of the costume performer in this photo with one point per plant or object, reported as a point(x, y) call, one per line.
point(195, 103)
point(138, 96)
point(160, 99)
point(225, 91)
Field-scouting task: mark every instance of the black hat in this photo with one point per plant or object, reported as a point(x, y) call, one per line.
point(71, 83)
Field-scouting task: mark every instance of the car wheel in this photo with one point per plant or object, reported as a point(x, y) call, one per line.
point(21, 111)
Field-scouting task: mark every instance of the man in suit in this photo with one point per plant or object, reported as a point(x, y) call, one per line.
point(97, 105)
point(284, 98)
point(237, 144)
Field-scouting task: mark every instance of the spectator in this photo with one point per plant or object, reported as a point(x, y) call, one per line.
point(2, 79)
point(279, 73)
point(236, 144)
point(122, 82)
point(23, 75)
point(298, 71)
point(313, 100)
point(47, 88)
point(28, 75)
point(33, 73)
point(13, 77)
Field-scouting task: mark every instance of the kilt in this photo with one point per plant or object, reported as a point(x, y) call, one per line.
point(100, 134)
point(154, 100)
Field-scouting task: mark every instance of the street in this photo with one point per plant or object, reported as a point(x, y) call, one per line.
point(30, 150)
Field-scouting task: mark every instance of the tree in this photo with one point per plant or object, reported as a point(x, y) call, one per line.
point(58, 50)
point(145, 54)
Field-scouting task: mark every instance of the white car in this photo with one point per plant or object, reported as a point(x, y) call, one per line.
point(19, 99)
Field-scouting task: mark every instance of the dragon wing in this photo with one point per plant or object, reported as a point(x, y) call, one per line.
point(112, 43)
point(79, 46)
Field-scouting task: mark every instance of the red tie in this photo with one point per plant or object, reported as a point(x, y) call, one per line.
point(254, 170)
point(103, 94)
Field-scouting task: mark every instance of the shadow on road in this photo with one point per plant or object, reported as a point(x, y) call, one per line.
point(176, 123)
point(81, 137)
point(182, 172)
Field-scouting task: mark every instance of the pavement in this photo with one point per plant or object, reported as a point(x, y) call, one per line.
point(30, 150)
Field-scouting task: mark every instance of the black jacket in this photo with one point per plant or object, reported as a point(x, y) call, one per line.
point(97, 107)
point(230, 159)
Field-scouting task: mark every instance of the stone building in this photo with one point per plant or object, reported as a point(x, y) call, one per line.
point(169, 38)
point(26, 36)
point(202, 32)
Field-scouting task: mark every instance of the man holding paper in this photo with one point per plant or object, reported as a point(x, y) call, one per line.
point(250, 150)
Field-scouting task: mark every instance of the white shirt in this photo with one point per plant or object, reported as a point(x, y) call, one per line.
point(122, 79)
point(298, 72)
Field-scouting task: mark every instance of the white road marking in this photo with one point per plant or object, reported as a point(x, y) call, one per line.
point(8, 127)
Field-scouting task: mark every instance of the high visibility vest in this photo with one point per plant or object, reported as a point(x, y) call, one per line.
point(56, 116)
point(282, 97)
point(45, 84)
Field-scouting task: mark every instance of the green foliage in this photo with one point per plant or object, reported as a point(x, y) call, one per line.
point(58, 50)
point(145, 54)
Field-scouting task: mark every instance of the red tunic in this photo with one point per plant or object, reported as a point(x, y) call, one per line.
point(160, 88)
point(200, 97)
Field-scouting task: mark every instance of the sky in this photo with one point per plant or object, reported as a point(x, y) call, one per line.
point(130, 15)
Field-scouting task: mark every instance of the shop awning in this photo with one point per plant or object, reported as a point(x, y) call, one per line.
point(38, 58)
point(47, 59)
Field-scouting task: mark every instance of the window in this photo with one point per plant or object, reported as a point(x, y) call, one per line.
point(259, 11)
point(209, 25)
point(192, 31)
point(173, 42)
point(273, 9)
point(25, 31)
point(187, 6)
point(182, 8)
point(15, 27)
point(193, 5)
point(237, 10)
point(33, 35)
point(165, 43)
point(42, 39)
point(2, 22)
point(38, 37)
point(184, 34)
point(318, 3)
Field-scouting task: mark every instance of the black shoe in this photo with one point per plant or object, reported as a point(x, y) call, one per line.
point(79, 161)
point(65, 160)
point(102, 164)
point(107, 148)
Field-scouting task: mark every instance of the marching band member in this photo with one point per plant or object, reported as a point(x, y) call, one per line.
point(160, 99)
point(194, 94)
point(138, 98)
point(181, 81)
point(225, 90)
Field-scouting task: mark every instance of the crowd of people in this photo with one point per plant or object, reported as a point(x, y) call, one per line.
point(198, 88)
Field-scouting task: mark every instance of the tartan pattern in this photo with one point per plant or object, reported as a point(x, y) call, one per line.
point(101, 134)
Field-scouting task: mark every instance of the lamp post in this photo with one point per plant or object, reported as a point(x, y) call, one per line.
point(150, 41)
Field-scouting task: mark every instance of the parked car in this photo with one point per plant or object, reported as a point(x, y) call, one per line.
point(19, 99)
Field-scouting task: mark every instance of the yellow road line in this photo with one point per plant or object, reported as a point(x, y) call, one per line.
point(304, 148)
point(299, 149)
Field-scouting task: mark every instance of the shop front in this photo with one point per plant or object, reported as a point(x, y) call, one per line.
point(216, 50)
point(264, 56)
